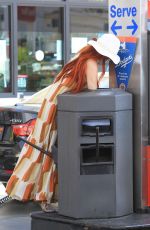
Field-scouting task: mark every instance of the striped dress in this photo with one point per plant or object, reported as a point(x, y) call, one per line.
point(35, 175)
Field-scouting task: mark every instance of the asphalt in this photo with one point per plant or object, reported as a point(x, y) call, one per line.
point(16, 215)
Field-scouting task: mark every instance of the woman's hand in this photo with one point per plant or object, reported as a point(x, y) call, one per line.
point(92, 74)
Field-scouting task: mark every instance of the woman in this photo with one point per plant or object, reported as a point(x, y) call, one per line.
point(35, 175)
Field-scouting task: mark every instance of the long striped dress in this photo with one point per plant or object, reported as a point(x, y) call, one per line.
point(35, 175)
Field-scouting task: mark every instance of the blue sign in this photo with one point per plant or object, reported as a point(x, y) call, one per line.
point(133, 27)
point(122, 13)
point(114, 27)
point(126, 53)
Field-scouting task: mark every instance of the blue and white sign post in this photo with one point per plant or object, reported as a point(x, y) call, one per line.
point(128, 21)
point(124, 67)
point(123, 21)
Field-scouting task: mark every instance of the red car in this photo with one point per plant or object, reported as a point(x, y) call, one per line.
point(15, 121)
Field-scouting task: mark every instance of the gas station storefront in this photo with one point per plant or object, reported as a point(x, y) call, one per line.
point(38, 37)
point(130, 22)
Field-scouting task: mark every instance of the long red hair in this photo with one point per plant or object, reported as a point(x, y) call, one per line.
point(75, 70)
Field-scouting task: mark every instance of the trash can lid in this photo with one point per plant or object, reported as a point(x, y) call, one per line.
point(96, 100)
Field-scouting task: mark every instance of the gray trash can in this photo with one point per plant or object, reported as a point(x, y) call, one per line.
point(95, 154)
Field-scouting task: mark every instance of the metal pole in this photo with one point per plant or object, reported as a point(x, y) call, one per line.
point(35, 146)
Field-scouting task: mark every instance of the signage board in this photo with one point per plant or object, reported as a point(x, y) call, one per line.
point(124, 67)
point(124, 17)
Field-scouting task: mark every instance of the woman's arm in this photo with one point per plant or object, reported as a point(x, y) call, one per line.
point(92, 74)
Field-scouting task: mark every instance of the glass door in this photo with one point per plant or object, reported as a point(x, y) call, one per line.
point(5, 80)
point(40, 46)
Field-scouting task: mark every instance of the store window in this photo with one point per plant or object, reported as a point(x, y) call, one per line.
point(5, 82)
point(40, 49)
point(88, 23)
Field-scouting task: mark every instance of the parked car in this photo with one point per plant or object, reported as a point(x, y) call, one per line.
point(15, 121)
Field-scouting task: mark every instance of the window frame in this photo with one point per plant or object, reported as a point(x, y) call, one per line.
point(66, 5)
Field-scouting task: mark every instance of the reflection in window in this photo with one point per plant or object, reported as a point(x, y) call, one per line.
point(88, 23)
point(5, 81)
point(39, 46)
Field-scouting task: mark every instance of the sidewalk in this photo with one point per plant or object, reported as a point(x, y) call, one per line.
point(15, 215)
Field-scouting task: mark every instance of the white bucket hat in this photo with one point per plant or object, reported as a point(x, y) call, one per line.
point(108, 45)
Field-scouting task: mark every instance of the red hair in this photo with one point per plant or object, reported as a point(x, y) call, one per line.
point(75, 70)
